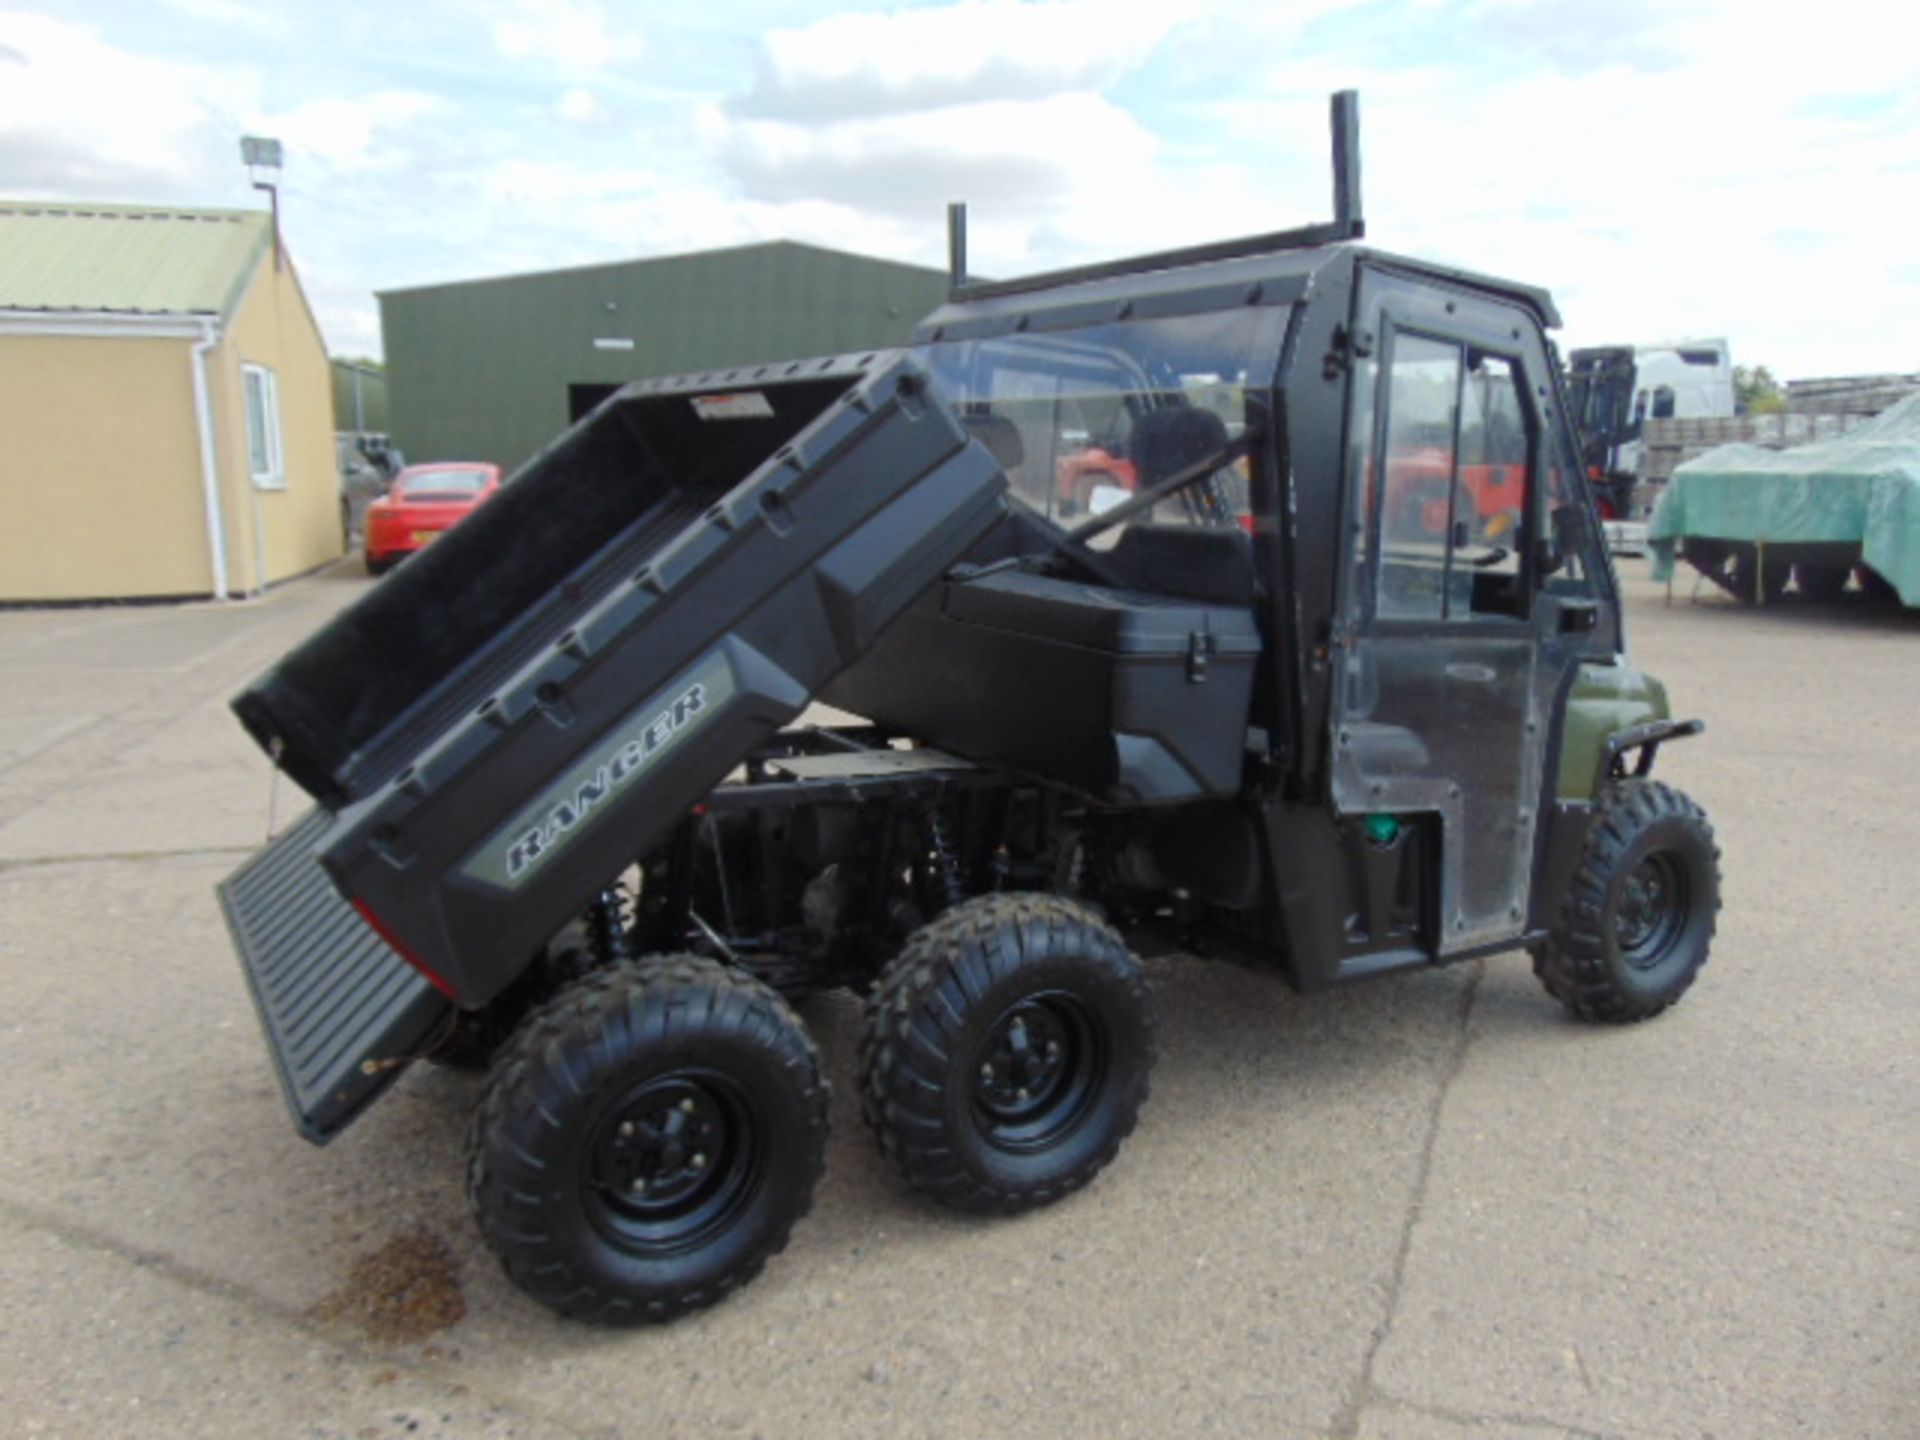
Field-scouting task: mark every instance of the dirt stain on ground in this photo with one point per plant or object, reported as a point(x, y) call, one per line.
point(403, 1292)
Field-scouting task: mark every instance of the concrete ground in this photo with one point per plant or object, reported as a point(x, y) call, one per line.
point(1428, 1208)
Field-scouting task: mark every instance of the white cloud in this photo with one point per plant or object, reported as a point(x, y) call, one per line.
point(573, 35)
point(234, 14)
point(581, 106)
point(913, 162)
point(1666, 166)
point(974, 51)
point(79, 117)
point(351, 134)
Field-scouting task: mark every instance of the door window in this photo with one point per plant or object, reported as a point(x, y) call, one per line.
point(1452, 485)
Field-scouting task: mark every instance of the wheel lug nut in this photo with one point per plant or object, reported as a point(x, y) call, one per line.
point(699, 1162)
point(1022, 1095)
point(986, 1071)
point(626, 1129)
point(686, 1107)
point(639, 1185)
point(1053, 1049)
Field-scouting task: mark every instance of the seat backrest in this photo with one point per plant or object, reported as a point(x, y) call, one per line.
point(1194, 562)
point(1168, 440)
point(1000, 436)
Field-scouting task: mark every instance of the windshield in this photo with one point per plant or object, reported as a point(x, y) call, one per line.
point(1083, 420)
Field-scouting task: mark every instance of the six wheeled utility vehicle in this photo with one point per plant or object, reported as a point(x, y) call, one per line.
point(1257, 704)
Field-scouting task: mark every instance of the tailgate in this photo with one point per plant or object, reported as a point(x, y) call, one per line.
point(338, 1006)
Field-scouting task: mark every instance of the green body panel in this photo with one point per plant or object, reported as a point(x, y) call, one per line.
point(1605, 700)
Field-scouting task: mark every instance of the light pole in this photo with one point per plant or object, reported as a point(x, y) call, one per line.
point(262, 158)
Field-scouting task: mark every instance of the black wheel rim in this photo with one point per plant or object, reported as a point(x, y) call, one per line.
point(673, 1162)
point(1651, 911)
point(1038, 1072)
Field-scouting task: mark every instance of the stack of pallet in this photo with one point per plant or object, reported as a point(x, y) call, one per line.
point(1668, 443)
point(1862, 395)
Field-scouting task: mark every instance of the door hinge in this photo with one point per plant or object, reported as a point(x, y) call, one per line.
point(1349, 344)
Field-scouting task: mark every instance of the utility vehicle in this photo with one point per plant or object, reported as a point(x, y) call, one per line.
point(568, 826)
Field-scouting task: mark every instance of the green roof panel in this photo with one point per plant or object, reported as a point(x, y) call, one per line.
point(126, 259)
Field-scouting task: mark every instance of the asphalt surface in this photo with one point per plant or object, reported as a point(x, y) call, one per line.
point(1431, 1207)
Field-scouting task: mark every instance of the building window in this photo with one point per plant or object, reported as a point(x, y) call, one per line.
point(263, 427)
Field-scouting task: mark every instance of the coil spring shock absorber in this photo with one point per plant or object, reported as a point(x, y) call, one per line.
point(945, 859)
point(609, 933)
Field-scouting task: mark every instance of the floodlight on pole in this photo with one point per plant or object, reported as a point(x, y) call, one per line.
point(261, 155)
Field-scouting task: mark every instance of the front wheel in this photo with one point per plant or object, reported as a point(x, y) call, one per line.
point(648, 1140)
point(1638, 917)
point(1007, 1052)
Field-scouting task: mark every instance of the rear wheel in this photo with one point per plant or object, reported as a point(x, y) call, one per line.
point(1007, 1052)
point(648, 1140)
point(1638, 918)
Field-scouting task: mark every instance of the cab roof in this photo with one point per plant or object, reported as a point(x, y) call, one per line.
point(1265, 270)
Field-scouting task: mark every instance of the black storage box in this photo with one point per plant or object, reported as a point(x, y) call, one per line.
point(1131, 698)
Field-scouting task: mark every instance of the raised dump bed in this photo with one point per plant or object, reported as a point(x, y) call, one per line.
point(489, 730)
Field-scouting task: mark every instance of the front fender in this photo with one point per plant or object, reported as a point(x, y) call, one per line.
point(1611, 711)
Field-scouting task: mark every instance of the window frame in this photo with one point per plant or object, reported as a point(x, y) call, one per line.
point(274, 476)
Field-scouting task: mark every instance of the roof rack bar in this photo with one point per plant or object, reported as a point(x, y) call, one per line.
point(1347, 224)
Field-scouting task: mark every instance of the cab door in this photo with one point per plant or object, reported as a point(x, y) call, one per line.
point(1451, 642)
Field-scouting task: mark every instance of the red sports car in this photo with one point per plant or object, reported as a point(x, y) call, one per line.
point(423, 501)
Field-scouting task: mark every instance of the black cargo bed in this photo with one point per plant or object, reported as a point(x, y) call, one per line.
point(342, 1012)
point(503, 725)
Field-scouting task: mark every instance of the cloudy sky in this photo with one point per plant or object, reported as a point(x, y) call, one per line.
point(1668, 167)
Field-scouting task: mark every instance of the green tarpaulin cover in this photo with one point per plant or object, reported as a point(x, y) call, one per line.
point(1862, 488)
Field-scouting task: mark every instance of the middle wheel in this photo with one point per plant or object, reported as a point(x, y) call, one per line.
point(1007, 1052)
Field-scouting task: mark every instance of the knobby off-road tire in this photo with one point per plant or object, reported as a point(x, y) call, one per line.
point(1638, 918)
point(647, 1140)
point(1007, 1052)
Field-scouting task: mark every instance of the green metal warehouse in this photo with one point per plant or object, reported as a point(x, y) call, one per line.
point(494, 369)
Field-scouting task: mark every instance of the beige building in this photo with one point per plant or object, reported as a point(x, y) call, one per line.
point(166, 406)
